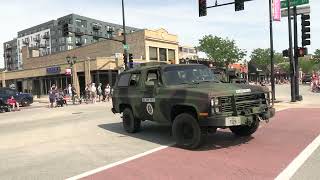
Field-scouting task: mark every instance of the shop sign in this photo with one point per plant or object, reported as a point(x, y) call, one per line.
point(53, 70)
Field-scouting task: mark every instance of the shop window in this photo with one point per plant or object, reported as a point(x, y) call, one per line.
point(153, 53)
point(163, 54)
point(171, 55)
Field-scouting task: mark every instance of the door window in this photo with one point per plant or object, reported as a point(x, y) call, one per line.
point(124, 80)
point(153, 75)
point(134, 80)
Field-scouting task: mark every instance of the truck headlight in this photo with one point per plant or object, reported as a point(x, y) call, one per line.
point(215, 104)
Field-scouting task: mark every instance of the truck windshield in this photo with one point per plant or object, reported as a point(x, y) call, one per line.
point(177, 75)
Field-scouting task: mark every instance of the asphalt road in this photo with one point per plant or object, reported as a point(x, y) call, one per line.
point(58, 143)
point(41, 143)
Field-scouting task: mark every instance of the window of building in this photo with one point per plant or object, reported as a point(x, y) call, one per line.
point(171, 55)
point(69, 40)
point(192, 51)
point(70, 47)
point(62, 48)
point(153, 53)
point(163, 54)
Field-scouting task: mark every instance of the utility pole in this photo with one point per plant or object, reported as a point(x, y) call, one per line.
point(272, 53)
point(292, 70)
point(124, 37)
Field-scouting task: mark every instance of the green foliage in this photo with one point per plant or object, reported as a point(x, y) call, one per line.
point(308, 65)
point(261, 58)
point(222, 51)
point(285, 66)
point(317, 55)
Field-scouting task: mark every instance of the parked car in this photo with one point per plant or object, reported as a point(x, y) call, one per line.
point(307, 78)
point(24, 99)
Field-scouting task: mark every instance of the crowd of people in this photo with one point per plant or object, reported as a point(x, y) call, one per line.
point(92, 94)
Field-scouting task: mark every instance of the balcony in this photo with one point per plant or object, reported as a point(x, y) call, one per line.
point(46, 36)
point(8, 47)
point(78, 33)
point(37, 39)
point(96, 27)
point(25, 42)
point(79, 43)
point(43, 46)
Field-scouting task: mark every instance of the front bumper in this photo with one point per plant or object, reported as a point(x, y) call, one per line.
point(228, 121)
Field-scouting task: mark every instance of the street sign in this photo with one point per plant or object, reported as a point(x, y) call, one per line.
point(300, 10)
point(126, 46)
point(294, 3)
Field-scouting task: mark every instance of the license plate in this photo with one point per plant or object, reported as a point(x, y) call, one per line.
point(233, 121)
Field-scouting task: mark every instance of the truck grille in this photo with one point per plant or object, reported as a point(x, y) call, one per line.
point(241, 102)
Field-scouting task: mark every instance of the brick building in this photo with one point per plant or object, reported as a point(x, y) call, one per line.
point(96, 62)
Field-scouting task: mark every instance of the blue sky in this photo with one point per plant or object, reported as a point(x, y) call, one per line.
point(250, 28)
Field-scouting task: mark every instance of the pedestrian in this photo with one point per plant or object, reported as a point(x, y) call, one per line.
point(107, 92)
point(99, 91)
point(52, 97)
point(93, 93)
point(70, 91)
point(13, 103)
point(87, 93)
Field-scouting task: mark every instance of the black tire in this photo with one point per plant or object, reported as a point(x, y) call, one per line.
point(8, 109)
point(25, 103)
point(246, 130)
point(130, 124)
point(186, 131)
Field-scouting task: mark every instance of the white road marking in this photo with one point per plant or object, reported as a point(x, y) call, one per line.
point(88, 173)
point(299, 160)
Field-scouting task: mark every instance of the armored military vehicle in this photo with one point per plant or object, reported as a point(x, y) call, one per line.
point(188, 98)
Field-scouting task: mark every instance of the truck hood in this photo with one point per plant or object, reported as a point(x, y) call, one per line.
point(222, 89)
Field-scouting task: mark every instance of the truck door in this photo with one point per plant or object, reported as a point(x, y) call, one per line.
point(148, 97)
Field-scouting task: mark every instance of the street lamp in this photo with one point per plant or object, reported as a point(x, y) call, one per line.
point(71, 61)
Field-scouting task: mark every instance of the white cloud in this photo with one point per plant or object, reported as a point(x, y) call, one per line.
point(250, 28)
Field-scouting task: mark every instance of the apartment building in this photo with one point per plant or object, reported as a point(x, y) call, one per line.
point(47, 38)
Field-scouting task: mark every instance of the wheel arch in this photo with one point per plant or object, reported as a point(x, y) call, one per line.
point(183, 108)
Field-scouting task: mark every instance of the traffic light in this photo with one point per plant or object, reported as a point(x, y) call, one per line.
point(239, 5)
point(65, 30)
point(202, 8)
point(125, 59)
point(130, 61)
point(285, 53)
point(302, 52)
point(305, 29)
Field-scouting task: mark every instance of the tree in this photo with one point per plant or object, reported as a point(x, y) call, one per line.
point(308, 65)
point(317, 55)
point(261, 58)
point(222, 51)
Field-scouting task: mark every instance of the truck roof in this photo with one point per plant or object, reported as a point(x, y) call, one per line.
point(159, 66)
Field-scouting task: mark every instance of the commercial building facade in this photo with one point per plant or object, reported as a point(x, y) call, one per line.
point(48, 38)
point(188, 52)
point(96, 62)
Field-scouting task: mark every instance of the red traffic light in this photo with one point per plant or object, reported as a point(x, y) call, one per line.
point(302, 52)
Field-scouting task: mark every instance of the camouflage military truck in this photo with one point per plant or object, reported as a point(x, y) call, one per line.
point(188, 98)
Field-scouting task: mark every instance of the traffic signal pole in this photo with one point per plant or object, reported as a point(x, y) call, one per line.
point(292, 70)
point(296, 54)
point(124, 38)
